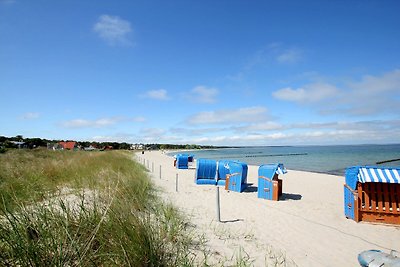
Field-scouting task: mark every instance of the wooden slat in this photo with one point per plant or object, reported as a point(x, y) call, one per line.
point(360, 193)
point(379, 193)
point(372, 195)
point(366, 197)
point(386, 197)
point(394, 193)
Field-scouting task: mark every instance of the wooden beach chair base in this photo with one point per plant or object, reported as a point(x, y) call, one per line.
point(276, 187)
point(377, 203)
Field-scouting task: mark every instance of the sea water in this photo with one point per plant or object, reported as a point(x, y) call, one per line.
point(325, 159)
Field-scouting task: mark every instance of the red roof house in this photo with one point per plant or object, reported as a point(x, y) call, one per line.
point(70, 145)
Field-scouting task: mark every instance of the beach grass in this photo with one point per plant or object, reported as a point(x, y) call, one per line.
point(76, 208)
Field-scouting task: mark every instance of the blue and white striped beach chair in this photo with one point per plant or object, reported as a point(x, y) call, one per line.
point(372, 194)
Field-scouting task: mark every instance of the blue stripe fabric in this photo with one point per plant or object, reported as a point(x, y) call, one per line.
point(379, 175)
point(395, 178)
point(281, 169)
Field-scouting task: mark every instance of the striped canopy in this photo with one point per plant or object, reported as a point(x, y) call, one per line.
point(281, 169)
point(378, 175)
point(269, 170)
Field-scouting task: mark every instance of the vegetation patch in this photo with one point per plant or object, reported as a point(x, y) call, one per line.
point(76, 208)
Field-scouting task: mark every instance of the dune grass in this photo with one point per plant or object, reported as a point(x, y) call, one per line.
point(76, 208)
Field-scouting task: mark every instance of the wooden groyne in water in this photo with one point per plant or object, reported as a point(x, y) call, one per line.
point(277, 155)
point(386, 161)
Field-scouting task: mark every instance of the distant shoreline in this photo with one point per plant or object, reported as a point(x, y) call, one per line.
point(330, 159)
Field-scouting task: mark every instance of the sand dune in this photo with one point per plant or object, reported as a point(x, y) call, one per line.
point(308, 225)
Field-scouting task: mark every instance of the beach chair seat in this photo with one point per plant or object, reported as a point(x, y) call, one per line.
point(206, 172)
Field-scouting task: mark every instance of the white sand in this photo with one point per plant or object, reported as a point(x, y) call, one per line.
point(308, 227)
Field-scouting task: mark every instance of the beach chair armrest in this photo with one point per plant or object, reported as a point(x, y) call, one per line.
point(265, 178)
point(351, 190)
point(233, 174)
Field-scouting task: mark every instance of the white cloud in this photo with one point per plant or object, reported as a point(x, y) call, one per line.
point(160, 94)
point(371, 85)
point(289, 94)
point(139, 119)
point(154, 135)
point(243, 139)
point(7, 2)
point(371, 95)
point(30, 116)
point(196, 131)
point(262, 126)
point(263, 133)
point(113, 29)
point(308, 94)
point(99, 123)
point(274, 133)
point(203, 94)
point(290, 56)
point(242, 115)
point(153, 131)
point(117, 137)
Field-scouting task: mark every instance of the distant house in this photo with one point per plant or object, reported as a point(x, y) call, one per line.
point(54, 146)
point(137, 146)
point(70, 145)
point(19, 144)
point(90, 148)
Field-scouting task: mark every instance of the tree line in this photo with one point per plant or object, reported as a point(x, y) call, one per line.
point(20, 142)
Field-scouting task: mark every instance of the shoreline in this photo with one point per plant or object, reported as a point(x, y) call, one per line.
point(308, 225)
point(301, 170)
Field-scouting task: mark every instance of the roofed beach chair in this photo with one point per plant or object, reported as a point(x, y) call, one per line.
point(235, 177)
point(269, 184)
point(372, 194)
point(182, 161)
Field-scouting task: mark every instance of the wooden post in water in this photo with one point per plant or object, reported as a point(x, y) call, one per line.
point(152, 167)
point(160, 171)
point(218, 206)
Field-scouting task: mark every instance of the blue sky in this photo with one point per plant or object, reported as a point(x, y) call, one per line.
point(201, 72)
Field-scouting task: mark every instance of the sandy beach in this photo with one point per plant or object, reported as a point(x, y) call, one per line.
point(307, 227)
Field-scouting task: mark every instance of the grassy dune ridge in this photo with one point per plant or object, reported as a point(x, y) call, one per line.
point(76, 208)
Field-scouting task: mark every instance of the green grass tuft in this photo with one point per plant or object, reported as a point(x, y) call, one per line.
point(64, 208)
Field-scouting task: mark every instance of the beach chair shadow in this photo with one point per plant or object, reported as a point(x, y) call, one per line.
point(250, 188)
point(232, 221)
point(286, 196)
